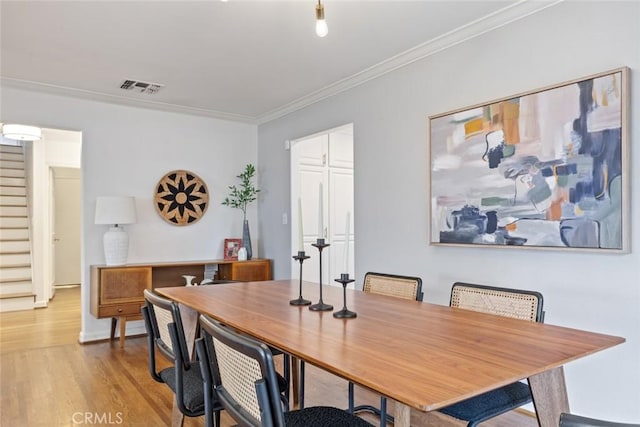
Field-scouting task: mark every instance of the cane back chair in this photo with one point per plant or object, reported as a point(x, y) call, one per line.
point(165, 332)
point(516, 303)
point(392, 285)
point(245, 381)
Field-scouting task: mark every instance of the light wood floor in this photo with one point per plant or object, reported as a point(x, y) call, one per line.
point(47, 379)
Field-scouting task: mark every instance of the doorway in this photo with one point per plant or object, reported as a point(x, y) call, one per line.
point(66, 220)
point(322, 167)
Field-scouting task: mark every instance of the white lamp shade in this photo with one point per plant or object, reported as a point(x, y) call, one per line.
point(21, 132)
point(115, 210)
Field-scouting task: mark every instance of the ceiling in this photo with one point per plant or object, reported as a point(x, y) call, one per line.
point(241, 60)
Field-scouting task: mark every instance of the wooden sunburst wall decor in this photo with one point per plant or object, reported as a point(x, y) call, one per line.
point(181, 197)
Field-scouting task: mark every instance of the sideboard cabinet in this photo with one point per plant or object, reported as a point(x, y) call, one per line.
point(117, 291)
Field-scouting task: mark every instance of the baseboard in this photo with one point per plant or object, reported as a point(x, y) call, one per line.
point(526, 412)
point(40, 304)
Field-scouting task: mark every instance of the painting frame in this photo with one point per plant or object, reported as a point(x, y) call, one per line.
point(231, 248)
point(543, 169)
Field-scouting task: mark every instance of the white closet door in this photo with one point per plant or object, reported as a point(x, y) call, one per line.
point(340, 171)
point(326, 159)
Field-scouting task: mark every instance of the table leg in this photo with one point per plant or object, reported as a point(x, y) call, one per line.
point(549, 393)
point(190, 327)
point(123, 329)
point(402, 415)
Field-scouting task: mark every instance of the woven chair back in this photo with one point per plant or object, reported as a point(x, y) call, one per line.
point(164, 312)
point(239, 363)
point(406, 287)
point(516, 303)
point(238, 375)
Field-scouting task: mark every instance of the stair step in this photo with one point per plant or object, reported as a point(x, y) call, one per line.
point(6, 148)
point(16, 286)
point(15, 274)
point(19, 302)
point(11, 164)
point(18, 157)
point(12, 182)
point(13, 234)
point(15, 259)
point(20, 259)
point(13, 201)
point(21, 265)
point(13, 211)
point(14, 222)
point(12, 173)
point(13, 191)
point(17, 295)
point(15, 246)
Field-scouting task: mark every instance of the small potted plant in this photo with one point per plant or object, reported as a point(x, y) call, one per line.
point(239, 198)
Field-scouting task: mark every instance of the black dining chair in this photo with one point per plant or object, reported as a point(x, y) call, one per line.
point(287, 362)
point(393, 285)
point(165, 333)
point(245, 380)
point(516, 303)
point(571, 420)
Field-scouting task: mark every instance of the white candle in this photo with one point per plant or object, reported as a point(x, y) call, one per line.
point(320, 210)
point(346, 243)
point(300, 233)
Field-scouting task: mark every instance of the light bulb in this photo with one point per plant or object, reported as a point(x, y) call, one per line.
point(321, 24)
point(321, 28)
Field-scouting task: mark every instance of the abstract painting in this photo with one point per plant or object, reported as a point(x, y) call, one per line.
point(544, 169)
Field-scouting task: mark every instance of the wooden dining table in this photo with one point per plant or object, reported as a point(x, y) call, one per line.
point(421, 355)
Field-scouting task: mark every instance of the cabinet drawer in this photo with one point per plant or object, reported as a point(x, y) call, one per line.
point(120, 310)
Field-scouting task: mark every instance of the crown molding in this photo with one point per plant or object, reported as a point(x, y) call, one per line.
point(122, 100)
point(498, 19)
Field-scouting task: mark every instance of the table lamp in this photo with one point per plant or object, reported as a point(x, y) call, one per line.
point(115, 211)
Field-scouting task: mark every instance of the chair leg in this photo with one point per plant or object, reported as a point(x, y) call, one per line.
point(380, 412)
point(350, 397)
point(383, 412)
point(208, 410)
point(287, 373)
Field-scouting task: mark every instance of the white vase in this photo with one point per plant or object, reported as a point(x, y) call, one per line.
point(242, 254)
point(188, 280)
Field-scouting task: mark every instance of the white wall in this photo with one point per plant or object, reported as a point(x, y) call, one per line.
point(581, 290)
point(125, 151)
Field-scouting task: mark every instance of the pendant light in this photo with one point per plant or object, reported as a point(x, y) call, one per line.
point(321, 23)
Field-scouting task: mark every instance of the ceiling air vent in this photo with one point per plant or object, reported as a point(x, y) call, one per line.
point(141, 87)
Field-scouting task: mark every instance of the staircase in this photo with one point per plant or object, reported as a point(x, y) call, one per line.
point(16, 288)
